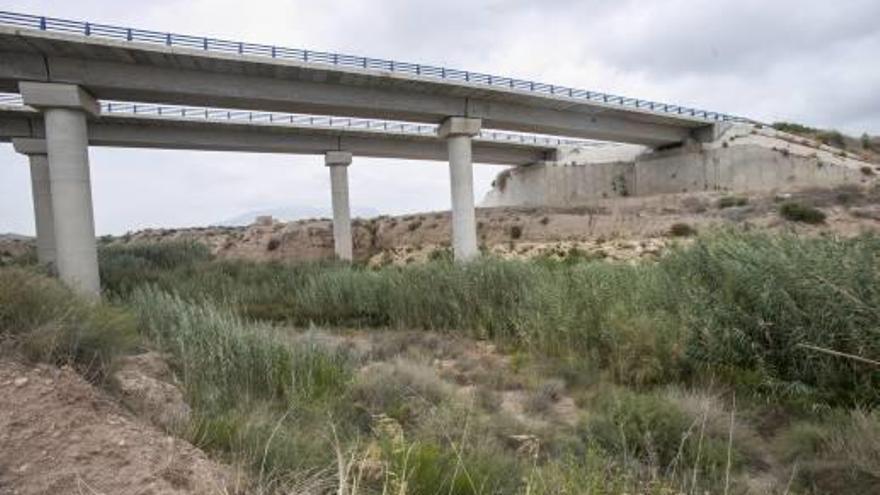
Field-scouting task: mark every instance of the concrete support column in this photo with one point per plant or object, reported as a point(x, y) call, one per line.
point(338, 162)
point(65, 108)
point(458, 132)
point(35, 150)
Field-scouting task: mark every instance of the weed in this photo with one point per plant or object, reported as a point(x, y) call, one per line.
point(682, 230)
point(798, 212)
point(731, 201)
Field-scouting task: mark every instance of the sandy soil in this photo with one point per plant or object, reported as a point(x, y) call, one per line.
point(617, 229)
point(59, 435)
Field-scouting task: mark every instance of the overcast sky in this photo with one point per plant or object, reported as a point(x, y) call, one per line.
point(814, 62)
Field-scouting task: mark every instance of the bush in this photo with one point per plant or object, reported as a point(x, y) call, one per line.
point(224, 359)
point(749, 300)
point(794, 128)
point(402, 390)
point(797, 212)
point(832, 138)
point(682, 230)
point(516, 232)
point(48, 322)
point(732, 305)
point(731, 201)
point(655, 431)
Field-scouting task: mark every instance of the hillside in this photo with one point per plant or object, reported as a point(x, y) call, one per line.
point(621, 228)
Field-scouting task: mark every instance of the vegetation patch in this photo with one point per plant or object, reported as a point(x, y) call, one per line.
point(799, 212)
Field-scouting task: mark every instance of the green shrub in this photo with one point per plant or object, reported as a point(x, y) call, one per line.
point(682, 230)
point(48, 322)
point(731, 201)
point(516, 231)
point(798, 212)
point(733, 304)
point(832, 138)
point(749, 300)
point(224, 359)
point(654, 430)
point(794, 128)
point(402, 390)
point(426, 467)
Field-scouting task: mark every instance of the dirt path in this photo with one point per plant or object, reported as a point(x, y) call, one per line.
point(59, 434)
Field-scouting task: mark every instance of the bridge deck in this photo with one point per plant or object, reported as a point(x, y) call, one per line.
point(136, 65)
point(122, 127)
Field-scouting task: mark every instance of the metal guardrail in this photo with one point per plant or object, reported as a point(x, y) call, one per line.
point(95, 30)
point(176, 112)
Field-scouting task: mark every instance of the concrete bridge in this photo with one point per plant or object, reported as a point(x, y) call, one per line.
point(61, 68)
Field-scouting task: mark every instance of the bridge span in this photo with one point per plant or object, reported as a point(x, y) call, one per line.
point(62, 68)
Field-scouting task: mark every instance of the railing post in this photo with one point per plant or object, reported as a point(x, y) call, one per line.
point(128, 35)
point(88, 30)
point(42, 23)
point(168, 39)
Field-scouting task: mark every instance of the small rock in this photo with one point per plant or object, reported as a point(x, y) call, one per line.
point(20, 382)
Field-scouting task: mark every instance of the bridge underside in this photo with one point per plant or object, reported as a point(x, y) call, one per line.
point(161, 133)
point(110, 69)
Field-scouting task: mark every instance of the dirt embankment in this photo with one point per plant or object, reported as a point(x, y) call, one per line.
point(618, 229)
point(59, 434)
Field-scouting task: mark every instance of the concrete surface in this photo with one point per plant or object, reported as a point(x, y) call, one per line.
point(70, 185)
point(459, 133)
point(263, 137)
point(111, 69)
point(35, 150)
point(338, 162)
point(744, 158)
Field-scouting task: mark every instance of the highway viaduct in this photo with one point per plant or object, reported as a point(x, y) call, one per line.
point(61, 68)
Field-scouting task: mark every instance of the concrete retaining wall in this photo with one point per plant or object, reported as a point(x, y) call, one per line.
point(742, 159)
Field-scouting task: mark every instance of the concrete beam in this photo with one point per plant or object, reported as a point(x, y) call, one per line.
point(30, 146)
point(338, 162)
point(165, 133)
point(37, 153)
point(459, 126)
point(53, 95)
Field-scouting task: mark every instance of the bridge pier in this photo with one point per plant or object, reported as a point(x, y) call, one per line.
point(458, 132)
point(35, 150)
point(65, 108)
point(338, 162)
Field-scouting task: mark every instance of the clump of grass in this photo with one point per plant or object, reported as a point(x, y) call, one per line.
point(402, 389)
point(47, 322)
point(656, 432)
point(799, 212)
point(544, 396)
point(836, 452)
point(682, 230)
point(516, 231)
point(732, 201)
point(224, 359)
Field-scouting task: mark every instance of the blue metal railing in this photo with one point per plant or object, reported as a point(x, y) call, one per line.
point(52, 24)
point(176, 112)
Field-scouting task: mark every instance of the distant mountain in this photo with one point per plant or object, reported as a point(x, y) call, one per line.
point(9, 236)
point(290, 213)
